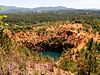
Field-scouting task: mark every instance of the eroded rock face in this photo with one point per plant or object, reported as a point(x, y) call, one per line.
point(46, 69)
point(64, 35)
point(37, 41)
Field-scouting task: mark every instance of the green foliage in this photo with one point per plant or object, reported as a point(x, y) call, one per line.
point(88, 62)
point(69, 65)
point(1, 8)
point(80, 16)
point(89, 55)
point(42, 31)
point(2, 24)
point(16, 29)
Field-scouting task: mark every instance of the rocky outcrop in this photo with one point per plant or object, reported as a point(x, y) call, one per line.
point(34, 68)
point(34, 40)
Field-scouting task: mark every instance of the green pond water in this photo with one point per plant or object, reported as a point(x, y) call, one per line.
point(54, 55)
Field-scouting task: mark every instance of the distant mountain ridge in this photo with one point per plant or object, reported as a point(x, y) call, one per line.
point(14, 9)
point(11, 9)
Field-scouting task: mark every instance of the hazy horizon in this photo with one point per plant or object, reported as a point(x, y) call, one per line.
point(78, 4)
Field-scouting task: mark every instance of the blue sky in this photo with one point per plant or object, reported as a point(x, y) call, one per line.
point(80, 4)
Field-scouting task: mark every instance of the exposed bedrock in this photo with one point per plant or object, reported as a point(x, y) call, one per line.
point(50, 41)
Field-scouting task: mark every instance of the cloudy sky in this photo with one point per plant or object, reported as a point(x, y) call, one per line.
point(80, 4)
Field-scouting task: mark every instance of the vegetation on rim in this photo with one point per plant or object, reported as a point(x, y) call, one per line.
point(30, 32)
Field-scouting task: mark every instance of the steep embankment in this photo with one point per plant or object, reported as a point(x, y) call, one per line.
point(57, 38)
point(68, 33)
